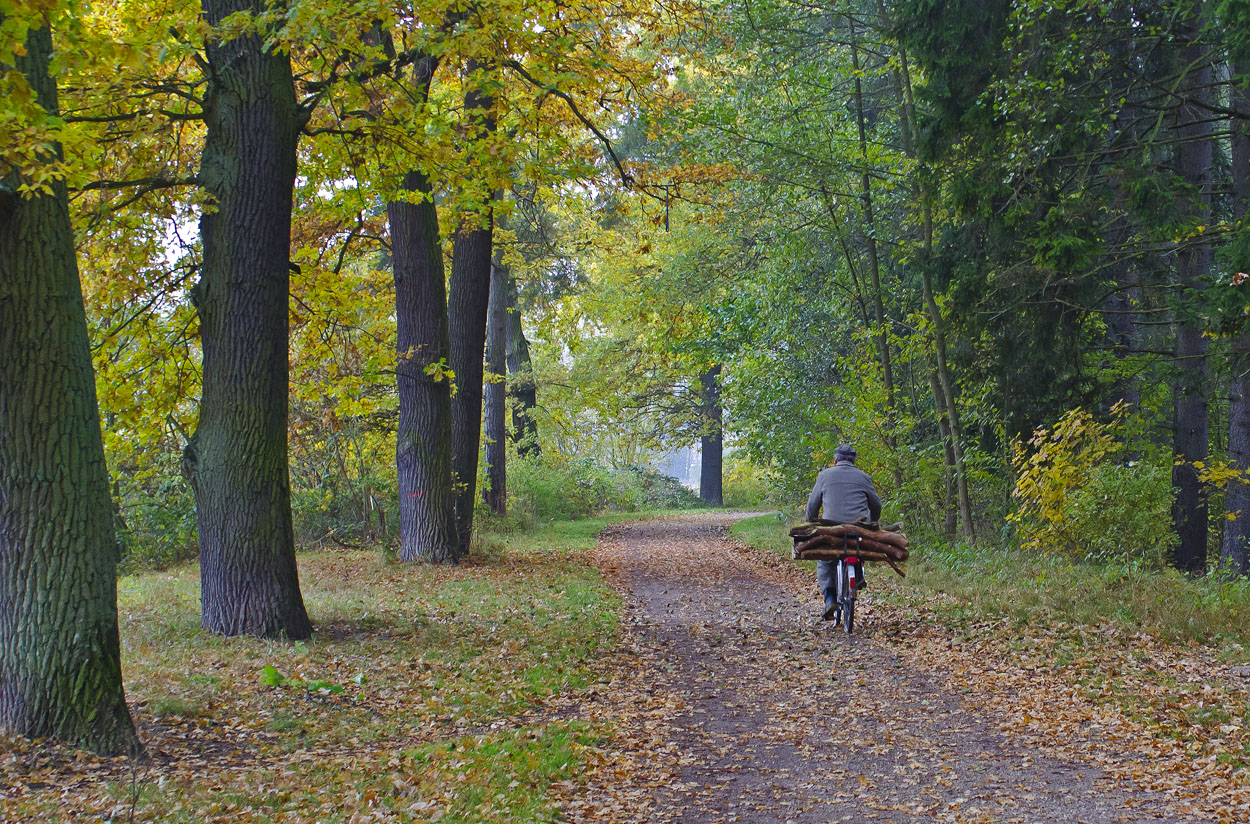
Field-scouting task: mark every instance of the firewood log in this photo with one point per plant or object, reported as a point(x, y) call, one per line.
point(827, 554)
point(866, 549)
point(851, 542)
point(896, 552)
point(835, 547)
point(820, 541)
point(807, 531)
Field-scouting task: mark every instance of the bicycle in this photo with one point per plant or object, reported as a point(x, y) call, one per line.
point(847, 586)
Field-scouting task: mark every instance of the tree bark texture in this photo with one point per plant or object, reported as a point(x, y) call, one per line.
point(711, 444)
point(468, 296)
point(1234, 556)
point(237, 458)
point(469, 290)
point(427, 521)
point(521, 385)
point(496, 398)
point(60, 660)
point(1194, 156)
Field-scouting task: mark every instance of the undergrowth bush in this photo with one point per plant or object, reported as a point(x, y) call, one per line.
point(156, 521)
point(550, 490)
point(358, 509)
point(1081, 496)
point(747, 486)
point(992, 582)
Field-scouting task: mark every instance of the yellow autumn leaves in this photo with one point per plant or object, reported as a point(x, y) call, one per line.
point(1082, 494)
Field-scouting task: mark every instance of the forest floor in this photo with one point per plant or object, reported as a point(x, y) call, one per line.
point(663, 671)
point(733, 701)
point(420, 698)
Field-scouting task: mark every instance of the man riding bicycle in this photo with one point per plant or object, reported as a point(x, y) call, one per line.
point(845, 493)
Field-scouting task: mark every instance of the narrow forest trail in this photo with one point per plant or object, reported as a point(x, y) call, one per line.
point(721, 692)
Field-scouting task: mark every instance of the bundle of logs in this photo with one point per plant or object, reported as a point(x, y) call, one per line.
point(829, 541)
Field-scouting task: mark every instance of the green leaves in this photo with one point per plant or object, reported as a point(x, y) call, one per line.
point(271, 677)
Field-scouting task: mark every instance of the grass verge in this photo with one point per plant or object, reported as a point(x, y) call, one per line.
point(419, 699)
point(967, 584)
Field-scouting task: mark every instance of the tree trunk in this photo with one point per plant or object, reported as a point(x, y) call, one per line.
point(942, 384)
point(1190, 423)
point(469, 294)
point(60, 660)
point(950, 512)
point(710, 475)
point(1234, 558)
point(521, 381)
point(946, 383)
point(427, 523)
point(496, 403)
point(237, 458)
point(881, 332)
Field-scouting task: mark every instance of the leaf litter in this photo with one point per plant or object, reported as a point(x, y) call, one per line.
point(730, 700)
point(723, 699)
point(419, 700)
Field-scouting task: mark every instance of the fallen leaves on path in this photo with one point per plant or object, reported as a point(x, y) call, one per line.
point(730, 701)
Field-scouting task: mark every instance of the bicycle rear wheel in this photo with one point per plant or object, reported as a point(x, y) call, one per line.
point(846, 596)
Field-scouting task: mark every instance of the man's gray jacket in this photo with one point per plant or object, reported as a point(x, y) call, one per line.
point(846, 493)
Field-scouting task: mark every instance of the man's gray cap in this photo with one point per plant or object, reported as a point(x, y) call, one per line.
point(845, 452)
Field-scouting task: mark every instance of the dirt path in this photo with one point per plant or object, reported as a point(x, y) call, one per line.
point(722, 705)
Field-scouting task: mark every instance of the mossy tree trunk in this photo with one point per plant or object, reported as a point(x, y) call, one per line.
point(60, 660)
point(237, 459)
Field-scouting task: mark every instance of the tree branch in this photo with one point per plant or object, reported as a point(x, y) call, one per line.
point(150, 184)
point(626, 178)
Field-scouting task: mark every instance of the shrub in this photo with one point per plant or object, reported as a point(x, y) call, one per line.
point(747, 486)
point(1081, 496)
point(656, 490)
point(156, 521)
point(358, 509)
point(550, 489)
